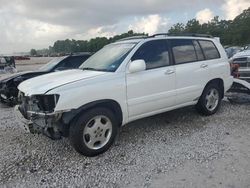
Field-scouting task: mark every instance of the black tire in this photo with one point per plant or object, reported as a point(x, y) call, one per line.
point(201, 105)
point(77, 127)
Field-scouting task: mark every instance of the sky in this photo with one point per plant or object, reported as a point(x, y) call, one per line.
point(26, 24)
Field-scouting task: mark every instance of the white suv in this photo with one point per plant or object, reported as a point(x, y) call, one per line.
point(125, 81)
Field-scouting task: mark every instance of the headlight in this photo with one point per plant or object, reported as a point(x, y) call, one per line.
point(46, 103)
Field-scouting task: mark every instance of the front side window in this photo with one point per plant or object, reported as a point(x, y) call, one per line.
point(75, 61)
point(52, 64)
point(154, 53)
point(183, 51)
point(109, 58)
point(209, 49)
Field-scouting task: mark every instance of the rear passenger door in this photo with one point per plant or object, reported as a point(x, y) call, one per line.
point(192, 71)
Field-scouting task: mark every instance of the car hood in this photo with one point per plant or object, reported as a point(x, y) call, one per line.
point(245, 53)
point(6, 78)
point(45, 83)
point(24, 74)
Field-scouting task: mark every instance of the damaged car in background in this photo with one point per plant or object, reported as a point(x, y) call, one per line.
point(7, 64)
point(127, 80)
point(241, 61)
point(8, 86)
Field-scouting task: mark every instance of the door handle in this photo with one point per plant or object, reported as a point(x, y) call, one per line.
point(204, 65)
point(169, 72)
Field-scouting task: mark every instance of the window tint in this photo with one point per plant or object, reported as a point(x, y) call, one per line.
point(183, 50)
point(209, 49)
point(198, 50)
point(154, 53)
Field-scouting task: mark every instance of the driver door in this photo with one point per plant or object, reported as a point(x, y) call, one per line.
point(153, 90)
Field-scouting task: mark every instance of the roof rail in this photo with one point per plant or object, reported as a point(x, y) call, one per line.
point(134, 37)
point(168, 34)
point(191, 35)
point(81, 53)
point(159, 34)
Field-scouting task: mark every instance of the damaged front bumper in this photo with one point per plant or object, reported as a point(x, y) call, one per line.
point(26, 124)
point(37, 122)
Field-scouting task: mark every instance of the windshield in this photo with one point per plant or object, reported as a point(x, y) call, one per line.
point(51, 64)
point(108, 58)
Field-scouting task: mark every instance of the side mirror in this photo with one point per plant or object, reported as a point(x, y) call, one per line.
point(137, 66)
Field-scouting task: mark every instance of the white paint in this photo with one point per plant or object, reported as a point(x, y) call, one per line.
point(139, 94)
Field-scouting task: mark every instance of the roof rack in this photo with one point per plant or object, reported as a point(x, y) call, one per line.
point(168, 34)
point(81, 53)
point(184, 34)
point(159, 34)
point(134, 37)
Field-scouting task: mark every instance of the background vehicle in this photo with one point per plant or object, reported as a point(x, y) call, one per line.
point(7, 61)
point(125, 81)
point(233, 50)
point(8, 86)
point(242, 59)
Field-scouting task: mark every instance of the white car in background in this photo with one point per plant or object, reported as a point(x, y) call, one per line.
point(243, 60)
point(127, 80)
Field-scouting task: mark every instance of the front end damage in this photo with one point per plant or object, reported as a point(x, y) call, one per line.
point(38, 115)
point(8, 93)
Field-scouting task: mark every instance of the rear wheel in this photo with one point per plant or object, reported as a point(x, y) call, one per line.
point(210, 100)
point(94, 131)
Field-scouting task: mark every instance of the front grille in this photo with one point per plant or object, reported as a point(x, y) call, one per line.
point(241, 59)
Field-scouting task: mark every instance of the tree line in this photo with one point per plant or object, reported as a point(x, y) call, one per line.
point(72, 46)
point(231, 32)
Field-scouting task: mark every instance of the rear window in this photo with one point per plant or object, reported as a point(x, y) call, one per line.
point(183, 51)
point(209, 49)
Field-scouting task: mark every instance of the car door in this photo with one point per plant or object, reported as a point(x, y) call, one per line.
point(153, 90)
point(192, 70)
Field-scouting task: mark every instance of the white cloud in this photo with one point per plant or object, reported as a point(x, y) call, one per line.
point(204, 15)
point(149, 24)
point(100, 32)
point(233, 8)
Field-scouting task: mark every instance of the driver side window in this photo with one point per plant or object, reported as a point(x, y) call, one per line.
point(154, 53)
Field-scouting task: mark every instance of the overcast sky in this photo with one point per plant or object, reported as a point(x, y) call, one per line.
point(26, 24)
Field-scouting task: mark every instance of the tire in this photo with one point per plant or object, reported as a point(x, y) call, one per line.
point(94, 131)
point(208, 105)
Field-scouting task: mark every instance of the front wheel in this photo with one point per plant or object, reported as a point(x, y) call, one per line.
point(210, 100)
point(93, 132)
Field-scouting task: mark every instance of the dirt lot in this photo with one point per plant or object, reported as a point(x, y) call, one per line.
point(174, 149)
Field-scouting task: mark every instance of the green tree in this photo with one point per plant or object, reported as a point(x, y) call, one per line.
point(33, 52)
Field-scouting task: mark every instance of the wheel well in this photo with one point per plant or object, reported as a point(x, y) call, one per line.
point(219, 82)
point(112, 105)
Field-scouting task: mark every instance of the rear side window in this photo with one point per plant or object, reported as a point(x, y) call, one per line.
point(209, 49)
point(183, 51)
point(154, 53)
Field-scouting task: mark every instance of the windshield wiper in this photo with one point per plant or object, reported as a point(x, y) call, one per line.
point(94, 69)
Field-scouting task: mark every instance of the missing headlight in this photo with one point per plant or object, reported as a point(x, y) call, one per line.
point(46, 103)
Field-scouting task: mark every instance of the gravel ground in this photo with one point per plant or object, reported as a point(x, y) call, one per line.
point(174, 149)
